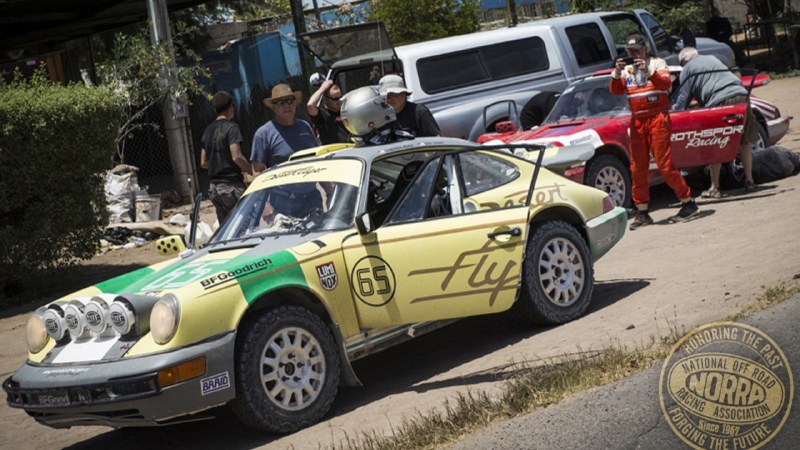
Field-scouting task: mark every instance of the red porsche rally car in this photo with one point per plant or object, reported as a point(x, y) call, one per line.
point(587, 113)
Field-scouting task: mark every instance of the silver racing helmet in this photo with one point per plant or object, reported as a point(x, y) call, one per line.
point(364, 110)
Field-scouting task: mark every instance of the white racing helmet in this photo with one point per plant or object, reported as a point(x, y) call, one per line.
point(364, 110)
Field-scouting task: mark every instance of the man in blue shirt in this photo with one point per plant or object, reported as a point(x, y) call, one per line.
point(277, 139)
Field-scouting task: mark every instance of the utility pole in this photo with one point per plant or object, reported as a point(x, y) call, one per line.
point(174, 111)
point(511, 9)
point(306, 60)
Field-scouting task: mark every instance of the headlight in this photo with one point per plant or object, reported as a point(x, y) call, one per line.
point(121, 317)
point(164, 319)
point(96, 316)
point(35, 333)
point(55, 323)
point(76, 321)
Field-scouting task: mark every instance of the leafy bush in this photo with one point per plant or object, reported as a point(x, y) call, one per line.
point(55, 143)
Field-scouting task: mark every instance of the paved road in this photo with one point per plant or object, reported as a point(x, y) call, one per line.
point(627, 414)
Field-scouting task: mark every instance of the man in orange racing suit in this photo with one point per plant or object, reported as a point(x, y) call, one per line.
point(646, 83)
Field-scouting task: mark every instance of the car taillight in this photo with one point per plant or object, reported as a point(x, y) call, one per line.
point(608, 205)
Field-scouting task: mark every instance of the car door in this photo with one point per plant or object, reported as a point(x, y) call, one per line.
point(702, 136)
point(437, 256)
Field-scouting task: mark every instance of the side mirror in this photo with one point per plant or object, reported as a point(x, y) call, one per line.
point(505, 127)
point(364, 224)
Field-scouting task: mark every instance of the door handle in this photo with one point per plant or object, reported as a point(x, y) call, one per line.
point(733, 119)
point(516, 231)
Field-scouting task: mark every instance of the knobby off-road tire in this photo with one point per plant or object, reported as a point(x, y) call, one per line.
point(287, 370)
point(609, 174)
point(557, 275)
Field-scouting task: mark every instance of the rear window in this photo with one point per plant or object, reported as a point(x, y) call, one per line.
point(659, 34)
point(482, 172)
point(588, 44)
point(482, 64)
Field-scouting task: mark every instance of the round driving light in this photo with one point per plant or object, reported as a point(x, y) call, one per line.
point(96, 314)
point(121, 317)
point(35, 333)
point(164, 319)
point(76, 322)
point(55, 323)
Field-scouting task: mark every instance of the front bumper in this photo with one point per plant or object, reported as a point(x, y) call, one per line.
point(124, 392)
point(605, 230)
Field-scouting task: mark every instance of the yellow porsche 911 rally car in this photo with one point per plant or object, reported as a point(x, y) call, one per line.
point(324, 260)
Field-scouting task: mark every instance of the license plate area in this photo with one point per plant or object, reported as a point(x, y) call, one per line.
point(53, 398)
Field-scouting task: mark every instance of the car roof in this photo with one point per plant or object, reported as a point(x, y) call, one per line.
point(370, 152)
point(447, 44)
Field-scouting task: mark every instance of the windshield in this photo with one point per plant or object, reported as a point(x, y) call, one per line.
point(291, 208)
point(588, 98)
point(296, 198)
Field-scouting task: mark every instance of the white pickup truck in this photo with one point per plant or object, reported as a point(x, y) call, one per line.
point(471, 82)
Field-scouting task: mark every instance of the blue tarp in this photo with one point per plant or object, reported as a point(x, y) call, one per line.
point(251, 65)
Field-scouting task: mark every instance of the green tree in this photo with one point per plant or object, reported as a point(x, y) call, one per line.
point(409, 21)
point(134, 68)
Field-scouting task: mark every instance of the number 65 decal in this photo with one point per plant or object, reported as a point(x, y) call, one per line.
point(373, 281)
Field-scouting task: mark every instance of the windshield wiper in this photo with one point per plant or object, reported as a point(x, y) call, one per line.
point(239, 239)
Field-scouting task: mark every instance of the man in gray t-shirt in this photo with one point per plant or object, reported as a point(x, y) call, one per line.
point(277, 139)
point(707, 80)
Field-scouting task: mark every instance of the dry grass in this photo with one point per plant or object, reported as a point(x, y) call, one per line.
point(530, 387)
point(769, 297)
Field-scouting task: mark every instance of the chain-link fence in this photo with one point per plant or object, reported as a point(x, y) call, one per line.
point(148, 150)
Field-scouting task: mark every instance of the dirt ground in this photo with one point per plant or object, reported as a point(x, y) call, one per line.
point(660, 278)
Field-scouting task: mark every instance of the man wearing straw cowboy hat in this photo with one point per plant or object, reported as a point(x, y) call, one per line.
point(277, 139)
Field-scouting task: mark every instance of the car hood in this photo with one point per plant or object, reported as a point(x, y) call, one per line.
point(236, 257)
point(352, 42)
point(213, 286)
point(564, 133)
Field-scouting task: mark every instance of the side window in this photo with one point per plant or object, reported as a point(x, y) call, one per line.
point(588, 44)
point(435, 193)
point(481, 64)
point(620, 26)
point(482, 172)
point(515, 58)
point(451, 71)
point(413, 204)
point(659, 34)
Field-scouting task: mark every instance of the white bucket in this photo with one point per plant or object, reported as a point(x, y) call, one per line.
point(148, 208)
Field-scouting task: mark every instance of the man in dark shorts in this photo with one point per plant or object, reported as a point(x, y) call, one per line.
point(222, 155)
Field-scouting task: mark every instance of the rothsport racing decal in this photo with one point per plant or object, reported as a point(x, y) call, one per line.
point(709, 137)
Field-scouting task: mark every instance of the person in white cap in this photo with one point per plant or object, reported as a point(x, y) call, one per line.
point(411, 117)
